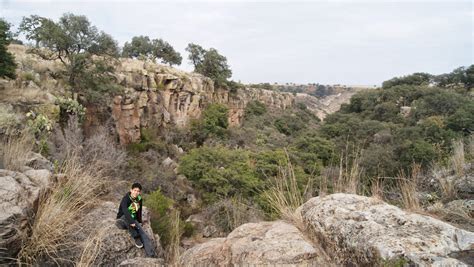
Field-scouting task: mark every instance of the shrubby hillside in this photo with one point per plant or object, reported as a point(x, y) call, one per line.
point(77, 120)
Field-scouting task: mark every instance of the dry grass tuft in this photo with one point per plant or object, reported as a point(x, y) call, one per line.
point(408, 188)
point(56, 220)
point(446, 182)
point(285, 197)
point(458, 159)
point(15, 150)
point(91, 248)
point(376, 188)
point(172, 251)
point(99, 150)
point(348, 179)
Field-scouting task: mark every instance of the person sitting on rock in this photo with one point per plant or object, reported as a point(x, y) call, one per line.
point(129, 215)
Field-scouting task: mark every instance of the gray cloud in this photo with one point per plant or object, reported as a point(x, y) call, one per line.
point(327, 42)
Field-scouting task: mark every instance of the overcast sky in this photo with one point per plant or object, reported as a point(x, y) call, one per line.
point(328, 42)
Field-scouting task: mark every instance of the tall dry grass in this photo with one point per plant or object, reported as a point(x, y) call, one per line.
point(446, 182)
point(458, 158)
point(172, 251)
point(408, 188)
point(15, 150)
point(98, 150)
point(442, 174)
point(350, 171)
point(284, 196)
point(91, 248)
point(59, 211)
point(376, 188)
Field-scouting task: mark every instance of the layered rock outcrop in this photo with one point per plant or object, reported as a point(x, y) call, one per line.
point(116, 244)
point(341, 230)
point(264, 243)
point(365, 231)
point(158, 95)
point(19, 196)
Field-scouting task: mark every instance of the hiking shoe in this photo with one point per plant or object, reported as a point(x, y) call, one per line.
point(138, 243)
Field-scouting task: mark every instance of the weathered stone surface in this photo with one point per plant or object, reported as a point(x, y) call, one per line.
point(153, 97)
point(38, 162)
point(116, 244)
point(264, 243)
point(169, 163)
point(361, 230)
point(40, 177)
point(142, 262)
point(19, 195)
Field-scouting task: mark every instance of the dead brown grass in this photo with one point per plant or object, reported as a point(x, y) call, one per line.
point(350, 172)
point(408, 188)
point(457, 158)
point(284, 196)
point(91, 247)
point(56, 220)
point(446, 182)
point(376, 188)
point(15, 150)
point(172, 251)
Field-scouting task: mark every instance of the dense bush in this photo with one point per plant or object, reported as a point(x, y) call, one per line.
point(294, 120)
point(7, 61)
point(436, 116)
point(255, 108)
point(313, 152)
point(214, 122)
point(220, 172)
point(160, 206)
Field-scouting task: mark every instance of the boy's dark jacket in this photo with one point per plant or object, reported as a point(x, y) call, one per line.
point(123, 209)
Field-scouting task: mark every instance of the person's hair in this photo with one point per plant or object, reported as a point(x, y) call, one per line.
point(137, 185)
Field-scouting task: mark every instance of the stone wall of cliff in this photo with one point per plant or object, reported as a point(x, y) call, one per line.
point(158, 95)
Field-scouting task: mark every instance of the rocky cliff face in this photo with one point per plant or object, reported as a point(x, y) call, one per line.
point(155, 95)
point(20, 192)
point(158, 95)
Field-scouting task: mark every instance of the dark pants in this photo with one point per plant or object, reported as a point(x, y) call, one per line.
point(137, 232)
point(122, 224)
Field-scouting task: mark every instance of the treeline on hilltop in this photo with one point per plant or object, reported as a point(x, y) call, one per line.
point(313, 89)
point(88, 54)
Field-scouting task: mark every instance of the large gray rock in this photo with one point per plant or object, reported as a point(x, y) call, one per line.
point(264, 243)
point(116, 244)
point(19, 195)
point(364, 231)
point(142, 262)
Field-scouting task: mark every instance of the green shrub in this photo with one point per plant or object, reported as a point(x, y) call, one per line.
point(313, 152)
point(70, 107)
point(214, 122)
point(289, 124)
point(160, 206)
point(149, 139)
point(38, 123)
point(255, 108)
point(220, 172)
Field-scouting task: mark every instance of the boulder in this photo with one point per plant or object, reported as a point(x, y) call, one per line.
point(37, 161)
point(117, 245)
point(365, 231)
point(19, 195)
point(142, 262)
point(263, 243)
point(169, 163)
